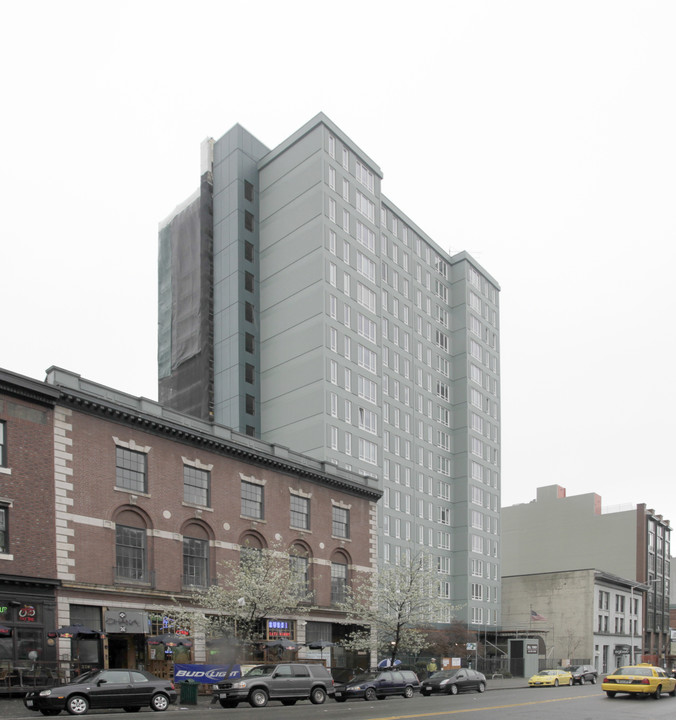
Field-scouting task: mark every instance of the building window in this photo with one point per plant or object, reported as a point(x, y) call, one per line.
point(3, 444)
point(299, 565)
point(249, 371)
point(130, 549)
point(248, 220)
point(252, 500)
point(248, 281)
point(300, 512)
point(248, 191)
point(248, 312)
point(130, 471)
point(195, 561)
point(338, 582)
point(248, 251)
point(4, 529)
point(341, 522)
point(248, 342)
point(250, 405)
point(196, 485)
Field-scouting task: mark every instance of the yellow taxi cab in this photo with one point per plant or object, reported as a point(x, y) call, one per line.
point(553, 678)
point(640, 678)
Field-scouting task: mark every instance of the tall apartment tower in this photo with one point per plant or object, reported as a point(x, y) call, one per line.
point(299, 305)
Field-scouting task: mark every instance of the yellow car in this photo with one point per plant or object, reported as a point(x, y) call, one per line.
point(641, 678)
point(551, 677)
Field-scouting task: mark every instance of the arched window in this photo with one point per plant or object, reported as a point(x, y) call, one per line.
point(299, 563)
point(339, 577)
point(195, 556)
point(131, 551)
point(250, 548)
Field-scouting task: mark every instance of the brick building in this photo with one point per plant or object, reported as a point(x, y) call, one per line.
point(143, 504)
point(27, 541)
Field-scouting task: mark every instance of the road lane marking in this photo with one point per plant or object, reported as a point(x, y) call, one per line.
point(479, 709)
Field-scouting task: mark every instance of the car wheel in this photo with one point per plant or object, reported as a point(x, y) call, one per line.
point(318, 696)
point(50, 712)
point(610, 693)
point(77, 705)
point(556, 683)
point(288, 702)
point(228, 703)
point(408, 692)
point(370, 695)
point(159, 702)
point(482, 687)
point(453, 689)
point(658, 692)
point(258, 698)
point(593, 680)
point(132, 708)
point(570, 682)
point(582, 680)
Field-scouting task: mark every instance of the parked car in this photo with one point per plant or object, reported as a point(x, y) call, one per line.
point(642, 678)
point(379, 684)
point(453, 681)
point(105, 689)
point(287, 682)
point(583, 674)
point(554, 678)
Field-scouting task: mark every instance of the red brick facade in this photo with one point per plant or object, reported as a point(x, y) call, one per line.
point(69, 499)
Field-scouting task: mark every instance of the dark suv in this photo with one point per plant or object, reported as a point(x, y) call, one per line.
point(288, 682)
point(379, 684)
point(583, 673)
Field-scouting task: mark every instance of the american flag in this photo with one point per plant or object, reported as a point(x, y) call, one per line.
point(536, 616)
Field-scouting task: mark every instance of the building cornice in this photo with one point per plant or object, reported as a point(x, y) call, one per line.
point(96, 400)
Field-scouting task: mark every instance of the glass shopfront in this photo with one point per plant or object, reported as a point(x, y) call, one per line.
point(24, 622)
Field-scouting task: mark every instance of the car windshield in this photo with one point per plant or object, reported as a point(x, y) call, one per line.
point(260, 670)
point(445, 674)
point(364, 677)
point(575, 668)
point(85, 677)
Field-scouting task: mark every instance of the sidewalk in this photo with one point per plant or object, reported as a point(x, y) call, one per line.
point(13, 708)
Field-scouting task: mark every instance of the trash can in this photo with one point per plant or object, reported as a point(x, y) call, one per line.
point(188, 692)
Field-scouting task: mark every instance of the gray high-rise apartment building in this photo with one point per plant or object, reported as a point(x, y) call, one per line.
point(299, 305)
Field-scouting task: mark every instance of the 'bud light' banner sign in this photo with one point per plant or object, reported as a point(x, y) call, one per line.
point(205, 674)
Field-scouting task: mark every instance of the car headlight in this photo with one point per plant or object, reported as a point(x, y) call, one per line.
point(239, 685)
point(45, 693)
point(443, 682)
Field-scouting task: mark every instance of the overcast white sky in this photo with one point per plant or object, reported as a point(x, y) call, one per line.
point(539, 136)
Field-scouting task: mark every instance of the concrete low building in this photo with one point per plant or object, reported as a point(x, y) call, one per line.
point(559, 534)
point(580, 616)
